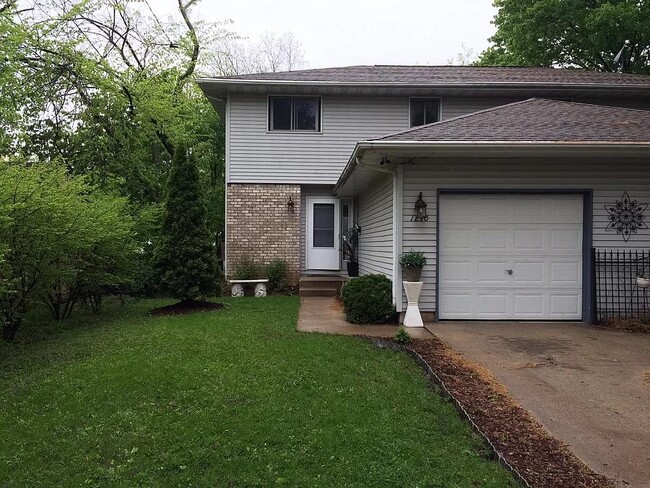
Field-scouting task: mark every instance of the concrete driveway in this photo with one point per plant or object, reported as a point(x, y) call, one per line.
point(589, 387)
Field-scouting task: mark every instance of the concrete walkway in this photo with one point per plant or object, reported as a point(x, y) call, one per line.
point(589, 387)
point(325, 314)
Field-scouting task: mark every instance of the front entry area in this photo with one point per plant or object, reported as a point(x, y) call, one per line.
point(510, 256)
point(322, 234)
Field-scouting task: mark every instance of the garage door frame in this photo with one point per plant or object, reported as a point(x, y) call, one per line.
point(587, 234)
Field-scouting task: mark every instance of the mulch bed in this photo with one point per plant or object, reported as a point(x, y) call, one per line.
point(627, 325)
point(526, 446)
point(182, 308)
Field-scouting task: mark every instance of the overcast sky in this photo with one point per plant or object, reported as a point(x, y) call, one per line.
point(347, 32)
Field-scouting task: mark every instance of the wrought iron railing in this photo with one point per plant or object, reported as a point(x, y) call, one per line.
point(618, 294)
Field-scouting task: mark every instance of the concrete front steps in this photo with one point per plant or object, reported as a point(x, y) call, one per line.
point(320, 285)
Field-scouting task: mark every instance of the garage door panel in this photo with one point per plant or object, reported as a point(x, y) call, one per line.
point(491, 304)
point(489, 239)
point(566, 273)
point(528, 306)
point(529, 239)
point(566, 304)
point(538, 238)
point(529, 272)
point(457, 272)
point(564, 209)
point(457, 239)
point(531, 212)
point(566, 239)
point(491, 272)
point(458, 304)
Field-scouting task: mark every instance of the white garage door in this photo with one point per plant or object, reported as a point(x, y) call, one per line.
point(510, 257)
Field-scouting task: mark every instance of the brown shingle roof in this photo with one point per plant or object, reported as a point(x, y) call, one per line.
point(537, 120)
point(449, 75)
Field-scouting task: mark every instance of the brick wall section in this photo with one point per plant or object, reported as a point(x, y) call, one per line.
point(260, 226)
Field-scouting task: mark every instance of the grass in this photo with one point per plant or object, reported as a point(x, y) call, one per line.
point(229, 398)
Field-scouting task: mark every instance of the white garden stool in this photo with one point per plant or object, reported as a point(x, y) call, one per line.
point(412, 318)
point(238, 287)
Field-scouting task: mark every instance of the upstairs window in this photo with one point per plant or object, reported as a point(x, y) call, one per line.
point(294, 113)
point(424, 111)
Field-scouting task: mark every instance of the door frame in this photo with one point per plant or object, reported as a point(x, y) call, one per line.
point(588, 282)
point(309, 227)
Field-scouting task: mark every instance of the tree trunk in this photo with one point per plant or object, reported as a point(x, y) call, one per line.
point(9, 330)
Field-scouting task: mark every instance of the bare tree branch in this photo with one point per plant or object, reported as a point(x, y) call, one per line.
point(189, 71)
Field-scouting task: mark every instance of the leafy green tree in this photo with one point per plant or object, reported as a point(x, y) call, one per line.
point(571, 33)
point(61, 238)
point(185, 258)
point(109, 91)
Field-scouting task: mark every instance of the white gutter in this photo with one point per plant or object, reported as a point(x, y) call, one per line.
point(449, 146)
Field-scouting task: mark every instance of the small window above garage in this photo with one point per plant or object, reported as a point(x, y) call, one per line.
point(424, 111)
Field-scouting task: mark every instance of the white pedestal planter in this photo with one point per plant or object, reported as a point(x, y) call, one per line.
point(412, 318)
point(643, 282)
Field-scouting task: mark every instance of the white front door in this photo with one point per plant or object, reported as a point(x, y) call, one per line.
point(323, 228)
point(511, 257)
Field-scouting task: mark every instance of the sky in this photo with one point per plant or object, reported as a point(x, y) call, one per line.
point(348, 32)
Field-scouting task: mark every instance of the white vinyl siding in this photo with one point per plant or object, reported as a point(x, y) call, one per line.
point(257, 155)
point(455, 107)
point(261, 156)
point(375, 216)
point(607, 178)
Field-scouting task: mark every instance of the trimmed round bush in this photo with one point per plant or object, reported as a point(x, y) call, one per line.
point(368, 299)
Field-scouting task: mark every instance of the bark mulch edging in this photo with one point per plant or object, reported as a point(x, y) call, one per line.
point(635, 326)
point(182, 308)
point(517, 439)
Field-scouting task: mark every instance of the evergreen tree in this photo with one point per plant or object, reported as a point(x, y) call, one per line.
point(185, 258)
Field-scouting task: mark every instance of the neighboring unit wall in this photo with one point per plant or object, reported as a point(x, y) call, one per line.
point(260, 226)
point(607, 178)
point(375, 216)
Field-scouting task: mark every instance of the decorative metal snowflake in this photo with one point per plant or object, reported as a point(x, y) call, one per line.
point(626, 216)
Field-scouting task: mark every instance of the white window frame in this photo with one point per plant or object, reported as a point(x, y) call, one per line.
point(290, 131)
point(439, 99)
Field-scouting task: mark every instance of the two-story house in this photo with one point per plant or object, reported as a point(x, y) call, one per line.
point(517, 166)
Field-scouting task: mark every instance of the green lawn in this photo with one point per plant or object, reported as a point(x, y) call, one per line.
point(230, 398)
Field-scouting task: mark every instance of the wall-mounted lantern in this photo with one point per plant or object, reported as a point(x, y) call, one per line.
point(420, 210)
point(290, 205)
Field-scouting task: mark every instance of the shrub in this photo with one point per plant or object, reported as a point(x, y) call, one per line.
point(412, 259)
point(247, 269)
point(60, 241)
point(278, 274)
point(401, 336)
point(368, 300)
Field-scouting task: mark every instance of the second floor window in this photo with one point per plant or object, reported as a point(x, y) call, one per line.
point(424, 111)
point(294, 113)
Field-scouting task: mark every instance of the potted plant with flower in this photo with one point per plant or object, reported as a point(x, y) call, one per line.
point(350, 246)
point(412, 263)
